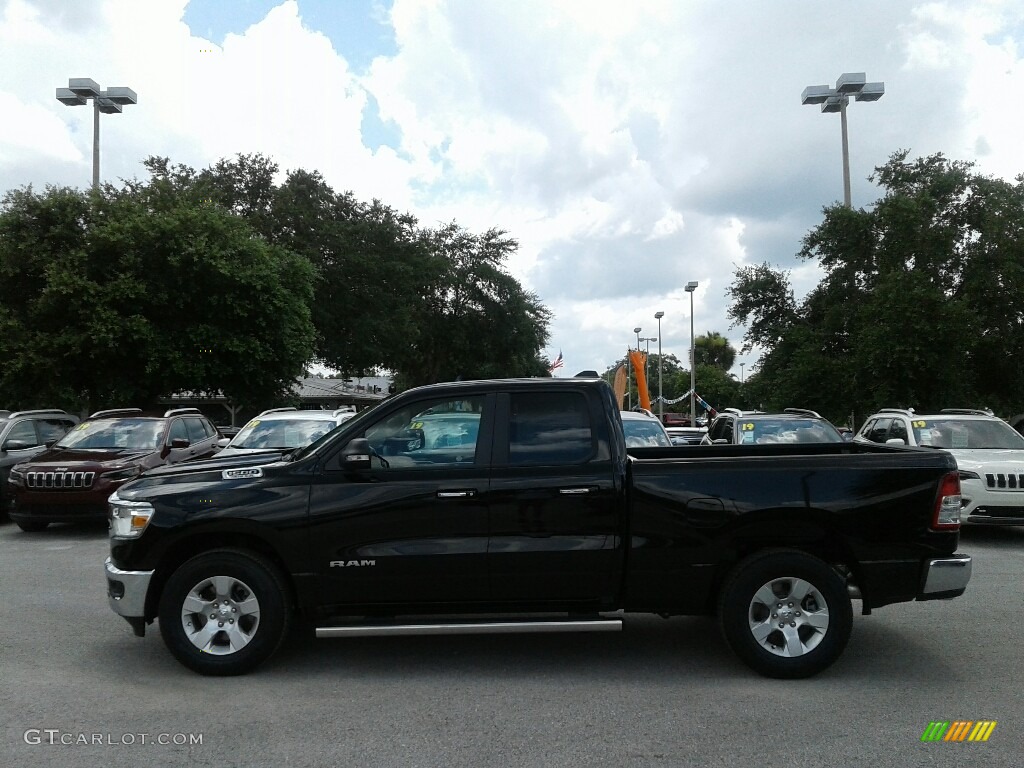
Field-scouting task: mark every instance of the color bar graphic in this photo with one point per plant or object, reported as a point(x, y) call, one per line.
point(958, 730)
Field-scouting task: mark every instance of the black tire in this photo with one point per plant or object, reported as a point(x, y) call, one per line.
point(780, 637)
point(240, 591)
point(31, 526)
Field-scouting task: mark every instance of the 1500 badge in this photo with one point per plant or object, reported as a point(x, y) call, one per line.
point(351, 563)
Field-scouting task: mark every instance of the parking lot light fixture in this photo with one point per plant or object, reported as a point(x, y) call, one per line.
point(836, 100)
point(109, 101)
point(661, 403)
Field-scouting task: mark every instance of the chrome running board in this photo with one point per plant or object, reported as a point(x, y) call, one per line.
point(472, 628)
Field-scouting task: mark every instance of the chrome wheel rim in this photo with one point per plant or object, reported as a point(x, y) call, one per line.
point(220, 615)
point(788, 616)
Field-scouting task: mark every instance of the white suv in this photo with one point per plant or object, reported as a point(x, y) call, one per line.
point(284, 429)
point(989, 454)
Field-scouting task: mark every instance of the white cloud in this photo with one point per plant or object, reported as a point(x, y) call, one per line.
point(628, 147)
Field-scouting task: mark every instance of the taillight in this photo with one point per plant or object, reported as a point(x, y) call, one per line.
point(947, 505)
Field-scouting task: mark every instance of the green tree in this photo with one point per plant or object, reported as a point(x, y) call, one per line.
point(478, 322)
point(920, 304)
point(714, 349)
point(124, 296)
point(424, 304)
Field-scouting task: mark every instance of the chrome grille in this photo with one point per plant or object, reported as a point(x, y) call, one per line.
point(1013, 482)
point(59, 480)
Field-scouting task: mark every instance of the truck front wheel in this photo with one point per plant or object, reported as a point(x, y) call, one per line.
point(786, 614)
point(224, 612)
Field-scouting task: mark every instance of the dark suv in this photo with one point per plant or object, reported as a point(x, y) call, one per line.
point(793, 425)
point(24, 434)
point(71, 480)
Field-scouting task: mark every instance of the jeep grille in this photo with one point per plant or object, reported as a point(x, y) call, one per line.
point(59, 480)
point(1004, 481)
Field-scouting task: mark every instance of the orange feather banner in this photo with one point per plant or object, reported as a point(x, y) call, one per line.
point(619, 388)
point(639, 360)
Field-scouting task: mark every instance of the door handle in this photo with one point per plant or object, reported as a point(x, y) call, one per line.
point(574, 491)
point(468, 493)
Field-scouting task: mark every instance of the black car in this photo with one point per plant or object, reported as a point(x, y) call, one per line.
point(24, 434)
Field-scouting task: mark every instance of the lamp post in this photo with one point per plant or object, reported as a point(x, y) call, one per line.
point(836, 100)
point(661, 404)
point(690, 288)
point(109, 101)
point(741, 372)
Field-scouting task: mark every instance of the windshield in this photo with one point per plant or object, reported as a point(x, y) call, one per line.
point(966, 433)
point(644, 433)
point(120, 434)
point(769, 430)
point(281, 433)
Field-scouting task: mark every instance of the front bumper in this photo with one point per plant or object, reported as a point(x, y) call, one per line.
point(126, 593)
point(945, 577)
point(984, 505)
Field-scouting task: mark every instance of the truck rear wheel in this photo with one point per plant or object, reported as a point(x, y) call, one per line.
point(785, 613)
point(224, 612)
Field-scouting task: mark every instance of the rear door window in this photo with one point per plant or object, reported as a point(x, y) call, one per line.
point(548, 428)
point(196, 431)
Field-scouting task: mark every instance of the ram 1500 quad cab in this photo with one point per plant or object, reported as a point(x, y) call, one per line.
point(515, 505)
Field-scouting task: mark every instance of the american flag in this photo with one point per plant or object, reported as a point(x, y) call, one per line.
point(557, 363)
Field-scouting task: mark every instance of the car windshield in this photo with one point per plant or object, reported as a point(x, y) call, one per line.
point(773, 430)
point(966, 433)
point(122, 434)
point(644, 433)
point(281, 433)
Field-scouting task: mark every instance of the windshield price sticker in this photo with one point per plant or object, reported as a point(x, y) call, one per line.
point(919, 424)
point(747, 426)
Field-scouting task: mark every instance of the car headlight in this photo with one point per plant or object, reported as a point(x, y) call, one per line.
point(123, 474)
point(17, 477)
point(968, 475)
point(128, 519)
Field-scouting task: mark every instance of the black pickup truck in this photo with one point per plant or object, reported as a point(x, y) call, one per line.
point(514, 506)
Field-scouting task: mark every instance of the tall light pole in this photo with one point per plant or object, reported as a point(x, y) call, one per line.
point(661, 404)
point(109, 101)
point(690, 288)
point(836, 100)
point(741, 372)
point(637, 332)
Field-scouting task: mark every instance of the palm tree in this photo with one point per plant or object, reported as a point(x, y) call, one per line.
point(714, 349)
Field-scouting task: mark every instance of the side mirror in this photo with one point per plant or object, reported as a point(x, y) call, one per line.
point(895, 441)
point(720, 441)
point(223, 442)
point(180, 442)
point(355, 457)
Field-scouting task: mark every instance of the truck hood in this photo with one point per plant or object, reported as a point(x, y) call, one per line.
point(76, 457)
point(216, 464)
point(981, 460)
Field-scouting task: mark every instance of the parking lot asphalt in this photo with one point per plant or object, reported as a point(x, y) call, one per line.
point(79, 689)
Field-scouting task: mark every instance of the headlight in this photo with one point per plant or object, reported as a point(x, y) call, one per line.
point(17, 477)
point(123, 474)
point(967, 475)
point(128, 519)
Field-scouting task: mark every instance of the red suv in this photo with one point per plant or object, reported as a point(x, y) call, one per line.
point(71, 480)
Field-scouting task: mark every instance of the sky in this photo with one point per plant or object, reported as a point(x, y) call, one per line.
point(629, 148)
